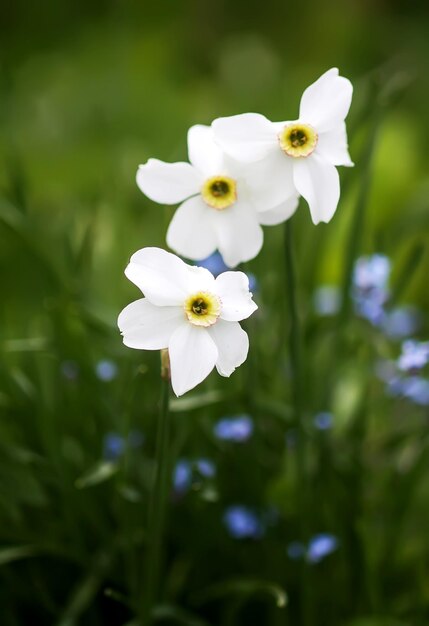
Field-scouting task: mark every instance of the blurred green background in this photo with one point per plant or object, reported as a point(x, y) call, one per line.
point(88, 90)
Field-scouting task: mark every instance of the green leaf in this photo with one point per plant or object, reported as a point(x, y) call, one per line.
point(15, 553)
point(101, 472)
point(169, 611)
point(196, 402)
point(240, 587)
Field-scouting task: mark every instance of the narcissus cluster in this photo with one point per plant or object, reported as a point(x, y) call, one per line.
point(244, 172)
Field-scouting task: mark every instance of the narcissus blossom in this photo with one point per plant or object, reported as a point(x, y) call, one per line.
point(302, 153)
point(224, 202)
point(188, 311)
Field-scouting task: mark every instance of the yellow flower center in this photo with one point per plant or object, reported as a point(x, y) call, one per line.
point(203, 308)
point(219, 192)
point(298, 140)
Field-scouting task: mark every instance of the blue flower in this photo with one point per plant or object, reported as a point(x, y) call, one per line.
point(70, 370)
point(327, 300)
point(414, 355)
point(370, 287)
point(253, 282)
point(113, 446)
point(135, 438)
point(242, 523)
point(401, 322)
point(323, 421)
point(371, 272)
point(416, 389)
point(188, 473)
point(206, 467)
point(238, 428)
point(295, 550)
point(106, 370)
point(291, 438)
point(214, 263)
point(321, 546)
point(182, 476)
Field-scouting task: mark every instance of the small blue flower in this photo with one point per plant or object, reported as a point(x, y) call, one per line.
point(370, 287)
point(321, 546)
point(182, 476)
point(206, 468)
point(106, 370)
point(414, 356)
point(113, 446)
point(242, 523)
point(135, 438)
point(295, 550)
point(253, 282)
point(214, 263)
point(372, 272)
point(70, 370)
point(291, 438)
point(323, 421)
point(238, 428)
point(401, 322)
point(327, 300)
point(416, 389)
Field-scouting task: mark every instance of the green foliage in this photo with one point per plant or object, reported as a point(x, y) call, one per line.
point(87, 92)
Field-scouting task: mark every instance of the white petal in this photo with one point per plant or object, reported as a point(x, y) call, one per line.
point(332, 145)
point(318, 182)
point(168, 183)
point(191, 233)
point(149, 327)
point(239, 235)
point(232, 343)
point(193, 355)
point(270, 181)
point(280, 213)
point(161, 276)
point(246, 137)
point(325, 103)
point(204, 153)
point(233, 290)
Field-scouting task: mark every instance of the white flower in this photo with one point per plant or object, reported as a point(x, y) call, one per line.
point(225, 202)
point(302, 153)
point(189, 312)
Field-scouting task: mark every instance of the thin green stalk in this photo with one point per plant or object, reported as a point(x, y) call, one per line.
point(356, 226)
point(297, 398)
point(157, 509)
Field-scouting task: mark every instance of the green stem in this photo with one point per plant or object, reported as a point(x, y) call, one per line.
point(356, 226)
point(297, 398)
point(157, 510)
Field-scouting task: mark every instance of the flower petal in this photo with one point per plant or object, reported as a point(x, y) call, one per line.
point(232, 343)
point(204, 153)
point(280, 213)
point(239, 235)
point(168, 183)
point(149, 327)
point(325, 103)
point(193, 355)
point(191, 233)
point(270, 182)
point(246, 137)
point(332, 145)
point(233, 290)
point(318, 182)
point(161, 276)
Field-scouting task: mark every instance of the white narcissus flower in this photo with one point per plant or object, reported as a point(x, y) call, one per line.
point(224, 202)
point(191, 313)
point(302, 153)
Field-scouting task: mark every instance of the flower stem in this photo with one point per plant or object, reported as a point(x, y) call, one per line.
point(297, 397)
point(356, 226)
point(157, 507)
